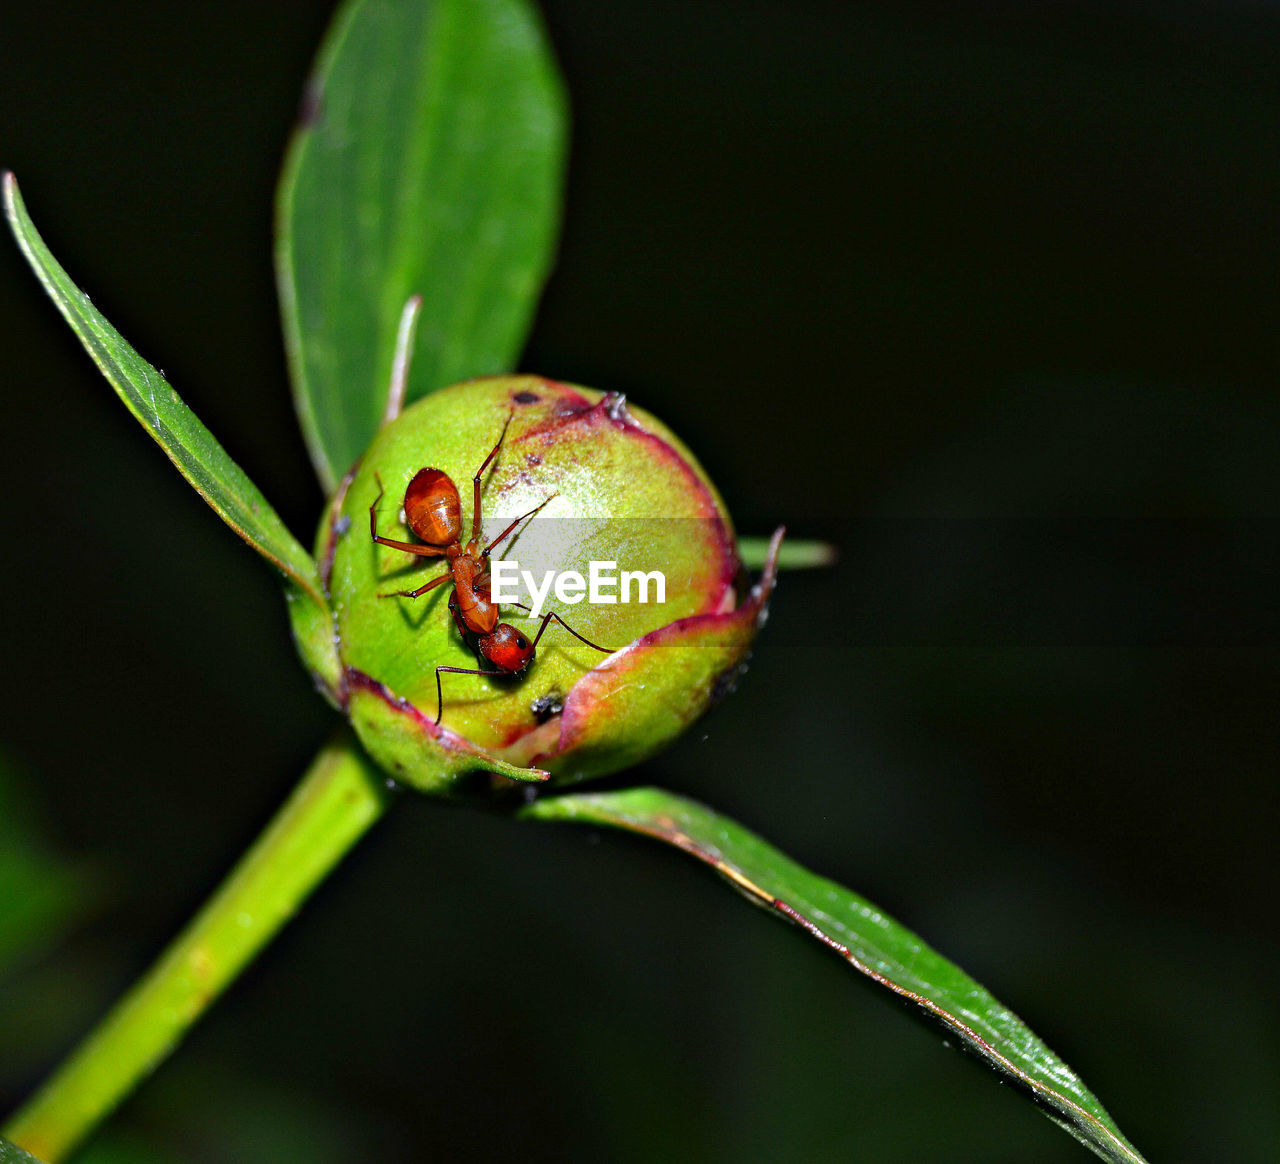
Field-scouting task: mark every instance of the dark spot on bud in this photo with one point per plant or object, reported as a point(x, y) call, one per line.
point(525, 398)
point(727, 682)
point(522, 478)
point(545, 706)
point(532, 460)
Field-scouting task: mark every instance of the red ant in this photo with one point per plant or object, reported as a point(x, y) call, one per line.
point(433, 511)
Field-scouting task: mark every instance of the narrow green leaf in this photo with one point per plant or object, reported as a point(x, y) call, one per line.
point(872, 943)
point(794, 554)
point(190, 446)
point(12, 1154)
point(429, 161)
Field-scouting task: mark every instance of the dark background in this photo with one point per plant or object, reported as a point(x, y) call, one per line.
point(877, 263)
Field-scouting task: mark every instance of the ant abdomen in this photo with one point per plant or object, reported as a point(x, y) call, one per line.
point(432, 508)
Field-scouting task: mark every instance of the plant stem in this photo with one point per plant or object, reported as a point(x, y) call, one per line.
point(334, 805)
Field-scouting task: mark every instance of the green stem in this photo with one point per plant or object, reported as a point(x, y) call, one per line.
point(334, 805)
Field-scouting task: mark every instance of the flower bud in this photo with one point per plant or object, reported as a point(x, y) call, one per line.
point(617, 674)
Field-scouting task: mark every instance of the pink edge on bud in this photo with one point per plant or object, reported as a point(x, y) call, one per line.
point(611, 410)
point(681, 669)
point(399, 736)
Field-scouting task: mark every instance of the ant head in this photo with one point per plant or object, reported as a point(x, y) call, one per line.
point(507, 648)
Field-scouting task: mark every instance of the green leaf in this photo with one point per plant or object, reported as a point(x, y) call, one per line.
point(429, 161)
point(12, 1154)
point(190, 446)
point(872, 943)
point(794, 554)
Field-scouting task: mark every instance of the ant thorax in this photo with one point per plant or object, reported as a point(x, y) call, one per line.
point(479, 614)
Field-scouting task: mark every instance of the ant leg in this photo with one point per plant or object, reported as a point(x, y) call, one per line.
point(422, 551)
point(400, 361)
point(454, 671)
point(373, 506)
point(475, 481)
point(506, 532)
point(421, 589)
point(546, 618)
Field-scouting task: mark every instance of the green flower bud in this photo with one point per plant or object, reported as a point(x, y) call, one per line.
point(610, 485)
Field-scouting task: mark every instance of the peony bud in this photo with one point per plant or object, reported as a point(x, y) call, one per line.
point(612, 486)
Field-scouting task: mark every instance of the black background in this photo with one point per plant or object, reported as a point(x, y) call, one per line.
point(876, 263)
